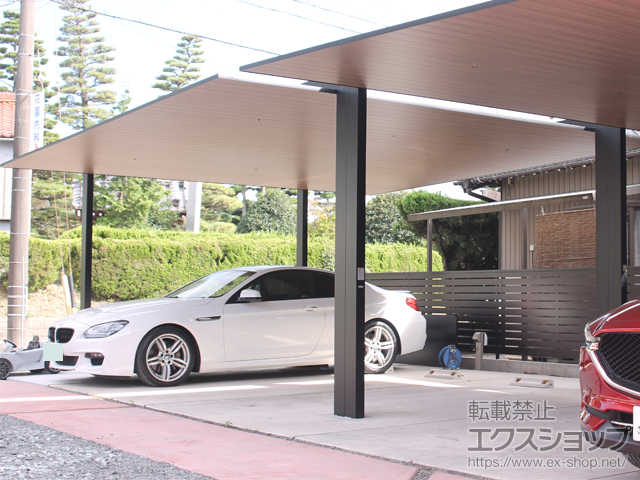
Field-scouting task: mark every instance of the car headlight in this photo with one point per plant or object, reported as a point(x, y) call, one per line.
point(589, 338)
point(105, 329)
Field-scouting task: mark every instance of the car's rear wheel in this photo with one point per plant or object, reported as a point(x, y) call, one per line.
point(165, 357)
point(5, 368)
point(633, 459)
point(380, 347)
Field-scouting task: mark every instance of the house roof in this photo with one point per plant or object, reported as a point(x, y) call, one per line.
point(235, 131)
point(574, 59)
point(7, 114)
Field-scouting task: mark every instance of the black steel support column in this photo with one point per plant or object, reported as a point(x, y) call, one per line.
point(351, 135)
point(87, 241)
point(611, 217)
point(303, 229)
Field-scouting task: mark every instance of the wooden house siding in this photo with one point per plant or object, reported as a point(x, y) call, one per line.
point(512, 232)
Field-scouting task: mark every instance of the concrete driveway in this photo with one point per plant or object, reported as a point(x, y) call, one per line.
point(476, 423)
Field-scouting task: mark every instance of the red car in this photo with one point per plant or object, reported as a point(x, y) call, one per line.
point(610, 381)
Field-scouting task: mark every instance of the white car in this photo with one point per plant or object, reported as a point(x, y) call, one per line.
point(243, 318)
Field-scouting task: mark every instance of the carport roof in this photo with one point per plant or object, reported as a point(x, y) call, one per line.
point(574, 59)
point(234, 131)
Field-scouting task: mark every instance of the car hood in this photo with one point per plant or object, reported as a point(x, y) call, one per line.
point(131, 309)
point(625, 318)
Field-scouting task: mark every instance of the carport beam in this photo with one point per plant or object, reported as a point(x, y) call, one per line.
point(351, 133)
point(611, 217)
point(87, 241)
point(303, 229)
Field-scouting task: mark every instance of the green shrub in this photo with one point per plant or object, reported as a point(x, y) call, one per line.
point(132, 264)
point(399, 257)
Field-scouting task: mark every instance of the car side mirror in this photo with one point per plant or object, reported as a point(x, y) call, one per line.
point(249, 295)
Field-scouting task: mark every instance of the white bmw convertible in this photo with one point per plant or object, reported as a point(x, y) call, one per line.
point(243, 318)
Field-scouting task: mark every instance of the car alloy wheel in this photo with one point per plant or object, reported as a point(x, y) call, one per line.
point(5, 368)
point(165, 357)
point(380, 347)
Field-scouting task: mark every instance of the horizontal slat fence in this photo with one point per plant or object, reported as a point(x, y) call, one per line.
point(633, 282)
point(537, 313)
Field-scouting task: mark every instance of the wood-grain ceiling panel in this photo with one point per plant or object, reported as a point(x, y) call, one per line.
point(572, 59)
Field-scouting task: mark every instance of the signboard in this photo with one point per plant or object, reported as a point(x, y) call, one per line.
point(37, 120)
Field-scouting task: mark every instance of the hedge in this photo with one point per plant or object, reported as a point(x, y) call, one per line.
point(132, 264)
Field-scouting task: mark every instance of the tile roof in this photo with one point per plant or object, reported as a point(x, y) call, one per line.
point(7, 114)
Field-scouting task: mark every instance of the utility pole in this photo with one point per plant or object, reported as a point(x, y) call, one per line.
point(21, 189)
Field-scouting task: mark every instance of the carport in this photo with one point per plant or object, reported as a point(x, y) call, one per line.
point(563, 58)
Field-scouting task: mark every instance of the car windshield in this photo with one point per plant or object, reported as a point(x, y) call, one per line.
point(211, 286)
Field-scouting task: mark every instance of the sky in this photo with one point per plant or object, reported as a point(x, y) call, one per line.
point(275, 26)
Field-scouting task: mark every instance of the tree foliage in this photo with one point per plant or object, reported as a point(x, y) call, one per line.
point(40, 83)
point(51, 211)
point(49, 216)
point(132, 264)
point(221, 209)
point(272, 212)
point(130, 202)
point(323, 217)
point(83, 99)
point(9, 37)
point(181, 69)
point(466, 243)
point(384, 224)
point(243, 190)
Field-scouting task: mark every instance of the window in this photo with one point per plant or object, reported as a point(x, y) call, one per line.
point(211, 286)
point(324, 285)
point(284, 285)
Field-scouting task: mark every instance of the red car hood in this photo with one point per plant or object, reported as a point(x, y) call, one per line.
point(625, 318)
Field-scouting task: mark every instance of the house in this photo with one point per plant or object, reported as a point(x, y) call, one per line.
point(557, 235)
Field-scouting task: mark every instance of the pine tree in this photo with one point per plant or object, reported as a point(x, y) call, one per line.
point(82, 101)
point(48, 207)
point(131, 202)
point(9, 35)
point(181, 69)
point(221, 209)
point(272, 212)
point(51, 209)
point(9, 31)
point(40, 82)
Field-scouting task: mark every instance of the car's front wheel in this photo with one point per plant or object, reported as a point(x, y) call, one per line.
point(165, 357)
point(50, 369)
point(380, 347)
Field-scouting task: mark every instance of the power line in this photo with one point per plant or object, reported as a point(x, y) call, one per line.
point(168, 44)
point(162, 28)
point(339, 13)
point(294, 15)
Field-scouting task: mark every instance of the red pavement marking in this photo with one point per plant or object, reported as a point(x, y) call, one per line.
point(218, 452)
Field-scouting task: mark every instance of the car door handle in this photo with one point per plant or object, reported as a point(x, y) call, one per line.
point(207, 319)
point(310, 308)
